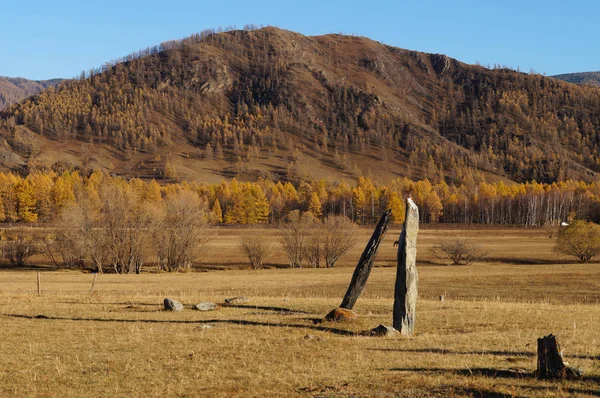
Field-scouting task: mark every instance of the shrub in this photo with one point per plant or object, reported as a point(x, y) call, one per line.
point(257, 249)
point(460, 252)
point(19, 249)
point(580, 239)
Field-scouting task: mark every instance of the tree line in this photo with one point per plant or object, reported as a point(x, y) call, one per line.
point(44, 197)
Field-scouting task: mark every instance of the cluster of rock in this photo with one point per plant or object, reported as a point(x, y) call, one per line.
point(174, 305)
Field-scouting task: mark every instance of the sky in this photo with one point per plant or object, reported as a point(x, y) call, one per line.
point(61, 38)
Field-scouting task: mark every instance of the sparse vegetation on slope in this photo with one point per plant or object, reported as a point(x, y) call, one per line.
point(272, 102)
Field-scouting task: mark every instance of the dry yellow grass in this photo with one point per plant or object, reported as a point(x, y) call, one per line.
point(118, 341)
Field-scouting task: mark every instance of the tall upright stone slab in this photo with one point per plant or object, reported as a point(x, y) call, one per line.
point(405, 294)
point(365, 264)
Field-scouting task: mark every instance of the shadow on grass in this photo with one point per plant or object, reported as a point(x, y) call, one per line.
point(340, 332)
point(521, 261)
point(282, 310)
point(486, 372)
point(495, 353)
point(158, 306)
point(507, 374)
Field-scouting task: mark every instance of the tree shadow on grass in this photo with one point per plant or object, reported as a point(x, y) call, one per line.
point(282, 310)
point(486, 372)
point(505, 374)
point(495, 353)
point(133, 306)
point(340, 332)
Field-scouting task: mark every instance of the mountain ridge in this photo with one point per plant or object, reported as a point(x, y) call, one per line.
point(15, 89)
point(586, 78)
point(275, 103)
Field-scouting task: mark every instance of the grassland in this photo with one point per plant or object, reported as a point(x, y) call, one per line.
point(479, 342)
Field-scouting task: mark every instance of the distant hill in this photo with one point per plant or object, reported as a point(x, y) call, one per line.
point(13, 90)
point(586, 78)
point(278, 104)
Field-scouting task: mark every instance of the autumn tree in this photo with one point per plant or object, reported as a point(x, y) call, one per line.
point(580, 239)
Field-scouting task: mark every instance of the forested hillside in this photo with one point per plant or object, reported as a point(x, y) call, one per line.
point(13, 90)
point(277, 104)
point(586, 78)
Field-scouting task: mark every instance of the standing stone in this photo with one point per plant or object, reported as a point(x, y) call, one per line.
point(365, 264)
point(405, 295)
point(173, 305)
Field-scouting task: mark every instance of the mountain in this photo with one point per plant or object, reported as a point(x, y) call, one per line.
point(15, 89)
point(278, 104)
point(586, 78)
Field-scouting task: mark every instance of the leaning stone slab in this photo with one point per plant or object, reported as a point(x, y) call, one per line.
point(236, 300)
point(381, 331)
point(341, 315)
point(206, 307)
point(173, 305)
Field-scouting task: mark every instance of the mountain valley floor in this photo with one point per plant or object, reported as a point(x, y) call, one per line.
point(479, 341)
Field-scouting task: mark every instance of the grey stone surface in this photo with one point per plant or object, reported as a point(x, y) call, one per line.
point(173, 305)
point(206, 306)
point(365, 264)
point(406, 290)
point(381, 331)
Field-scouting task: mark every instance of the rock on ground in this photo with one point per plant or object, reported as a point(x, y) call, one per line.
point(381, 331)
point(173, 305)
point(236, 300)
point(341, 315)
point(206, 307)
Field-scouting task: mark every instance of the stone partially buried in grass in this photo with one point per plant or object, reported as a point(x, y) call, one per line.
point(381, 331)
point(206, 307)
point(341, 315)
point(173, 305)
point(236, 300)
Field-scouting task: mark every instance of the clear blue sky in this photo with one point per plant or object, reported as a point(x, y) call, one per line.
point(45, 39)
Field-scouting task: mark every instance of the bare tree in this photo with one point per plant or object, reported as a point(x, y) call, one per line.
point(181, 232)
point(295, 234)
point(127, 226)
point(460, 252)
point(314, 247)
point(80, 235)
point(256, 247)
point(338, 237)
point(19, 249)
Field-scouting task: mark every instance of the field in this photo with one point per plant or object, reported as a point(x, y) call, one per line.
point(480, 341)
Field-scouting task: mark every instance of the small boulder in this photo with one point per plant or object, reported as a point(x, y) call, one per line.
point(341, 315)
point(381, 331)
point(312, 337)
point(236, 300)
point(173, 305)
point(206, 307)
